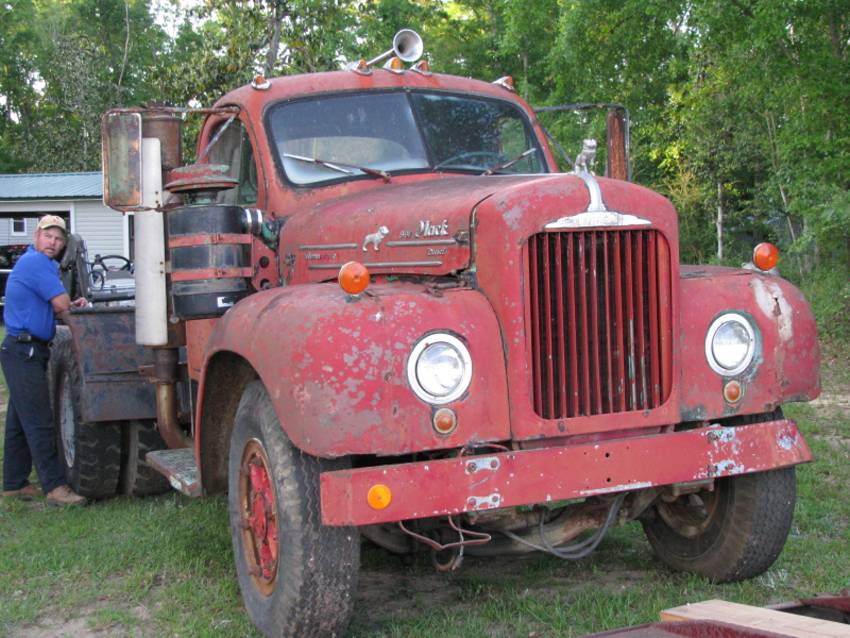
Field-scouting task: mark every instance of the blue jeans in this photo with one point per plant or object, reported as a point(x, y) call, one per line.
point(30, 436)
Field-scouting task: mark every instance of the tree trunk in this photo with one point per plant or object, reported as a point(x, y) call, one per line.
point(525, 75)
point(719, 221)
point(274, 39)
point(126, 52)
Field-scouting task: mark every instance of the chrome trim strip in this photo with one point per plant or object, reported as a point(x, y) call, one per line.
point(325, 246)
point(377, 264)
point(597, 219)
point(421, 242)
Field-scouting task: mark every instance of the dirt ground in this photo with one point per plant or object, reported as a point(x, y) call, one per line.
point(386, 593)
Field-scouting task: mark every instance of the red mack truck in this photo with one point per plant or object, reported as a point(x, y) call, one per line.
point(374, 306)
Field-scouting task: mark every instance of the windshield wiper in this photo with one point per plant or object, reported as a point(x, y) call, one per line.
point(510, 163)
point(341, 167)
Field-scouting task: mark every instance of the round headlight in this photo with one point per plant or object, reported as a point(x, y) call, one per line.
point(439, 368)
point(730, 344)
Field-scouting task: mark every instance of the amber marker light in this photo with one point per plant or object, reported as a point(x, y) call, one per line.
point(260, 82)
point(379, 497)
point(765, 256)
point(395, 65)
point(506, 82)
point(353, 277)
point(732, 391)
point(445, 421)
point(422, 67)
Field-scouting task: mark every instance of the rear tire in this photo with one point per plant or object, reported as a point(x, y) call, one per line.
point(89, 452)
point(733, 533)
point(297, 576)
point(137, 477)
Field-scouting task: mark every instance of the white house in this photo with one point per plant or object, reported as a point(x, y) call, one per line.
point(76, 197)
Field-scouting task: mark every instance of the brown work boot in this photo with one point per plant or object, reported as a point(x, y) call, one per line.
point(26, 493)
point(64, 495)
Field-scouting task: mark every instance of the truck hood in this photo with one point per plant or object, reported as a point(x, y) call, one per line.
point(425, 226)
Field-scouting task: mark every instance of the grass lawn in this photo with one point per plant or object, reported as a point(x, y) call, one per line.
point(163, 567)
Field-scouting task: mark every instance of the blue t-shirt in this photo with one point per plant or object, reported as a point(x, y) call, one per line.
point(33, 282)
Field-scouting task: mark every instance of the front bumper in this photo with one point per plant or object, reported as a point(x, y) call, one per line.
point(507, 479)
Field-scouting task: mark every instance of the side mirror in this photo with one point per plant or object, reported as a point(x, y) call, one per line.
point(616, 126)
point(122, 160)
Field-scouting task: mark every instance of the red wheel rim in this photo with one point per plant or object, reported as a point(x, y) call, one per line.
point(258, 510)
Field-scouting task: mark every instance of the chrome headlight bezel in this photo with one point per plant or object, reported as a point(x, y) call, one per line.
point(710, 350)
point(456, 345)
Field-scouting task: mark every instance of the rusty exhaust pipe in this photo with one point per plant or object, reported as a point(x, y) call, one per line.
point(165, 370)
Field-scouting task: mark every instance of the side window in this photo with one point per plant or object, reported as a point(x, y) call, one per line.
point(248, 175)
point(233, 148)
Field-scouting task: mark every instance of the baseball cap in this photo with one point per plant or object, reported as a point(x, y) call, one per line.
point(49, 221)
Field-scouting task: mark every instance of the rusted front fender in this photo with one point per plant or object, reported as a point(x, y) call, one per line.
point(335, 367)
point(787, 359)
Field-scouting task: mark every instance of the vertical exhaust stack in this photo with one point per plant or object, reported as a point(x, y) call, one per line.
point(149, 252)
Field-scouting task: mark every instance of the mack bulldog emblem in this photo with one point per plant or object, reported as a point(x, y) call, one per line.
point(427, 229)
point(587, 158)
point(375, 238)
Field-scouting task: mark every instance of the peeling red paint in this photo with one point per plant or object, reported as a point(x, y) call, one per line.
point(341, 388)
point(787, 360)
point(535, 476)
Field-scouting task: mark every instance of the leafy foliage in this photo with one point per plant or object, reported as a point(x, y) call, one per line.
point(739, 107)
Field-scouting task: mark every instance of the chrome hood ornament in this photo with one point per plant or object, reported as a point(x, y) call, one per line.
point(597, 214)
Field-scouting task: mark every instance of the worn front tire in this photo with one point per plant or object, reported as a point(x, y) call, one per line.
point(89, 452)
point(297, 576)
point(732, 533)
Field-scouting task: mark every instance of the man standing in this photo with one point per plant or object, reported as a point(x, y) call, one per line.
point(34, 296)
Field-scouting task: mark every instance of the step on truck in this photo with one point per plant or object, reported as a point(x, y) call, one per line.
point(373, 307)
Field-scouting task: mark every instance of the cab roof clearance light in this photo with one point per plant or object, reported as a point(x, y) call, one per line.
point(395, 65)
point(360, 66)
point(260, 82)
point(422, 67)
point(506, 82)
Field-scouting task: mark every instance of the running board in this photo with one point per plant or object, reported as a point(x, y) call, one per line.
point(179, 467)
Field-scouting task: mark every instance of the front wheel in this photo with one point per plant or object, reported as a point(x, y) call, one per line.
point(734, 532)
point(297, 576)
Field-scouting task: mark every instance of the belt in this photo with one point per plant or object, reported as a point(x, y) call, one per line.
point(26, 337)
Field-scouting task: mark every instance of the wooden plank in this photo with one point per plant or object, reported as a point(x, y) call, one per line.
point(778, 622)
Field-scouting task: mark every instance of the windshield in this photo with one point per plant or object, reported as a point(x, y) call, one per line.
point(400, 132)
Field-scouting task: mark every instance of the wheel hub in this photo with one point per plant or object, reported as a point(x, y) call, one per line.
point(691, 514)
point(258, 516)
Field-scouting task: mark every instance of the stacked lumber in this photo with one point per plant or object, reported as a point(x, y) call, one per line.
point(758, 619)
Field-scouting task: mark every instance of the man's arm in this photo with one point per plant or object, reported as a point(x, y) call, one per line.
point(62, 304)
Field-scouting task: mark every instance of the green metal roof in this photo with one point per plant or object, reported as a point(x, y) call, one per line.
point(51, 186)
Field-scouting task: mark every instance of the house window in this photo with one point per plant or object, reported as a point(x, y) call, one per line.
point(19, 226)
